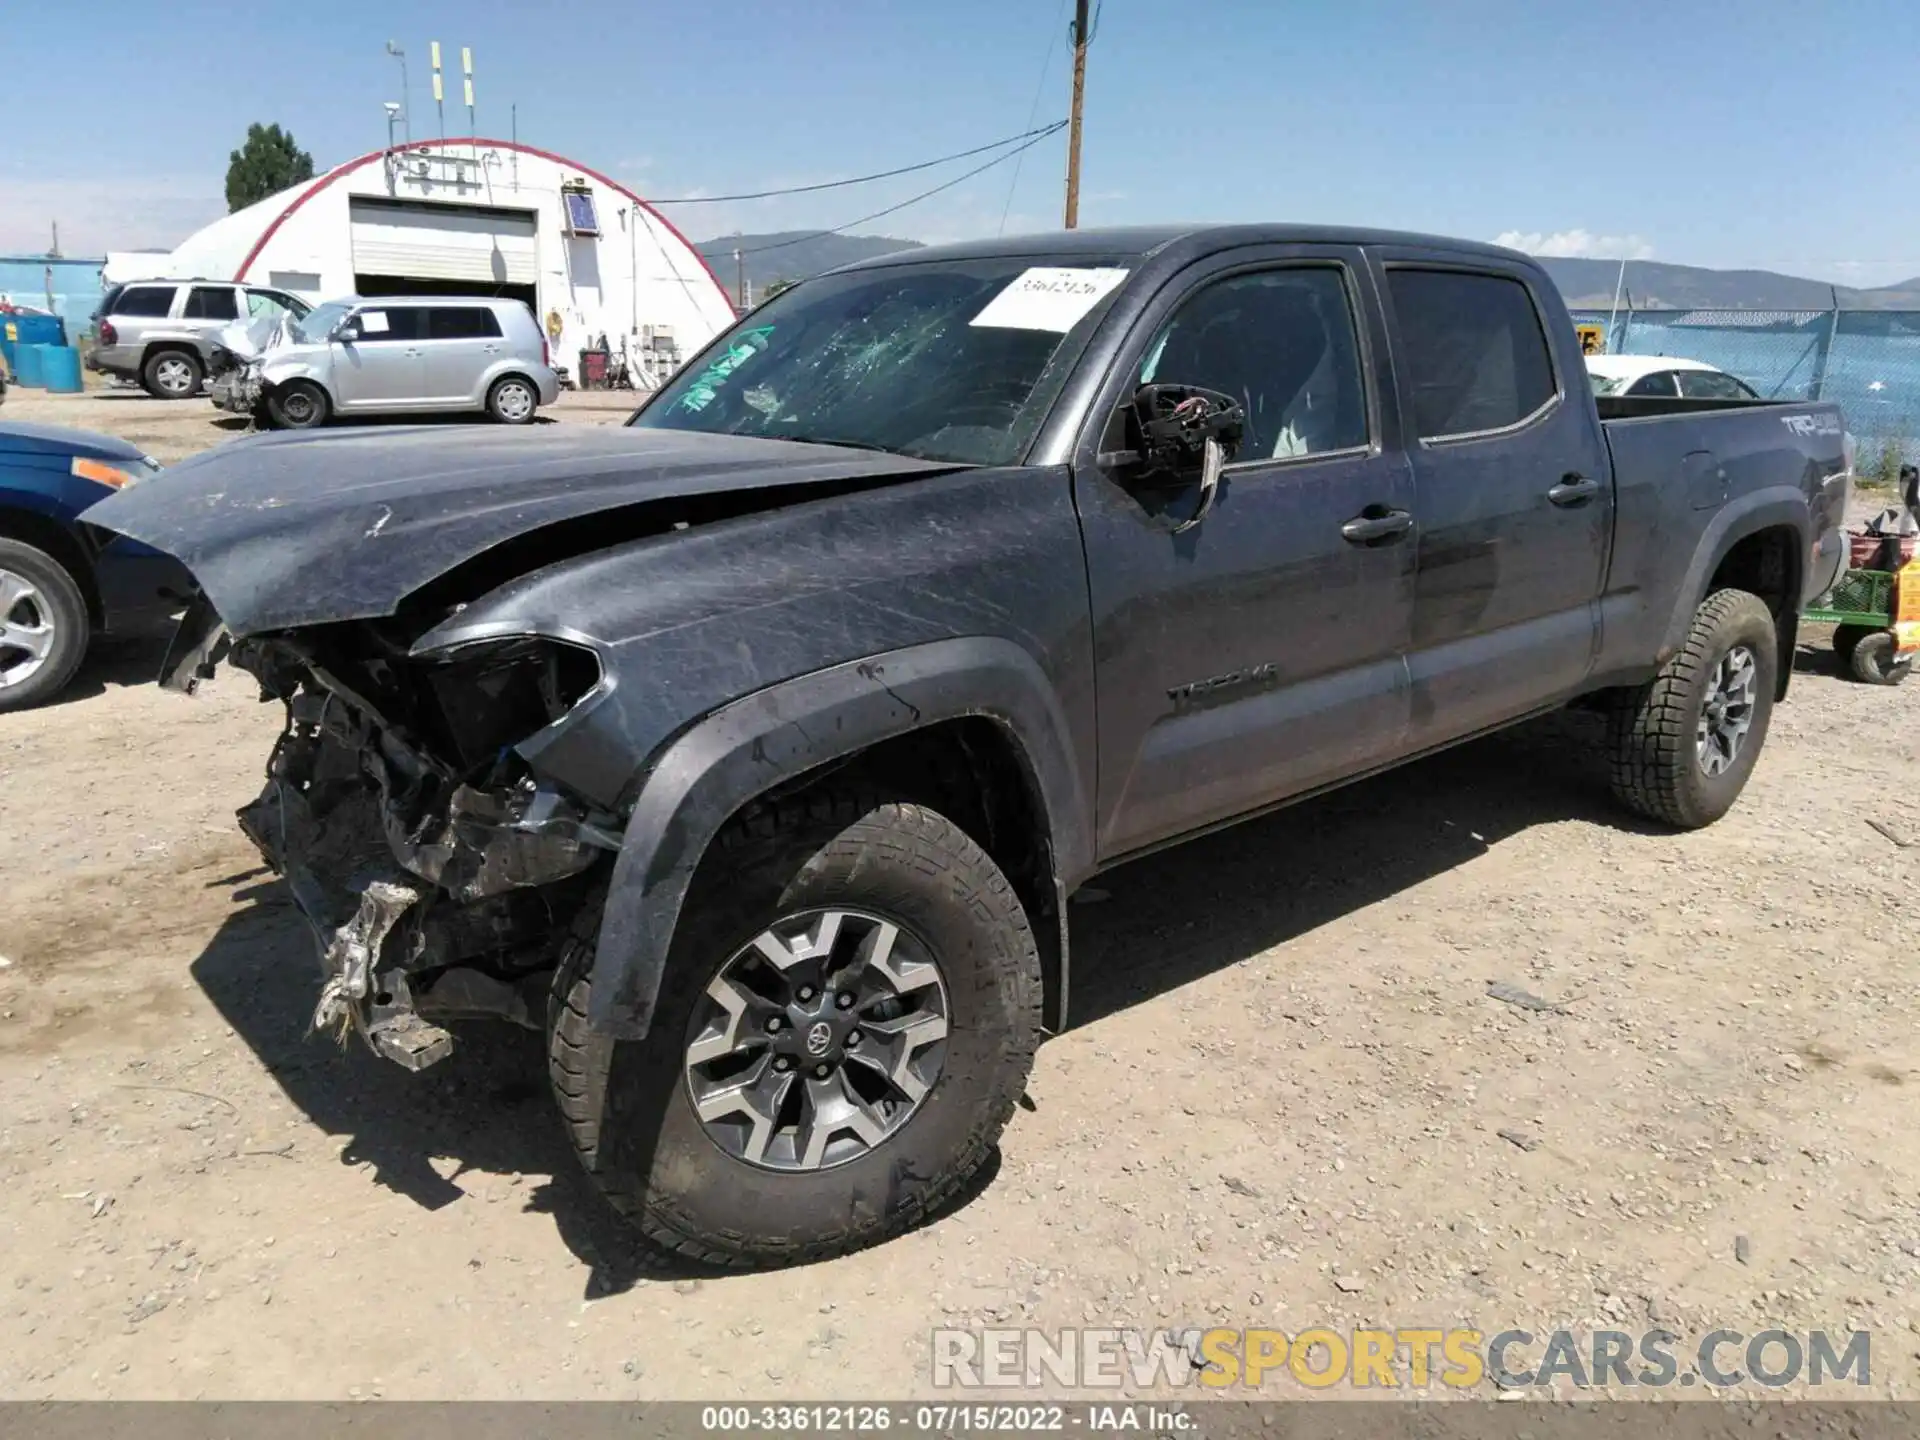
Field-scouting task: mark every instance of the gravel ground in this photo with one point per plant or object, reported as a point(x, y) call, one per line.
point(1287, 1099)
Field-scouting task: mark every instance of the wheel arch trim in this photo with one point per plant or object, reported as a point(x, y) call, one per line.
point(1777, 508)
point(754, 745)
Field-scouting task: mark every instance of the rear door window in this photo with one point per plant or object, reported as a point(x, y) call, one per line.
point(1473, 349)
point(462, 322)
point(145, 300)
point(1713, 385)
point(210, 302)
point(1659, 383)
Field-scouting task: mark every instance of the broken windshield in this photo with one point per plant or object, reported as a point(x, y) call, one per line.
point(956, 361)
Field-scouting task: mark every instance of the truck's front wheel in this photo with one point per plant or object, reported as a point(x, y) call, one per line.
point(848, 1017)
point(1682, 747)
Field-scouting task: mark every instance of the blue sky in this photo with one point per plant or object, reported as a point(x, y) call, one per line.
point(1759, 133)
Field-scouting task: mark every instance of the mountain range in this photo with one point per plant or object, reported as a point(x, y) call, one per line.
point(1584, 284)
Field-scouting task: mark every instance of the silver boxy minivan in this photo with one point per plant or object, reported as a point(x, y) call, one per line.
point(407, 354)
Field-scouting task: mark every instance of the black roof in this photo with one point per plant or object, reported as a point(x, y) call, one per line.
point(1144, 241)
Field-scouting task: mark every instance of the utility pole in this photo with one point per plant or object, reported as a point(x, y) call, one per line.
point(739, 274)
point(1073, 127)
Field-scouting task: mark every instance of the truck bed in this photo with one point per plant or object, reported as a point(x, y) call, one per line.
point(1687, 470)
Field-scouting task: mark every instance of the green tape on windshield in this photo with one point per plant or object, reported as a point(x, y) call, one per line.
point(707, 384)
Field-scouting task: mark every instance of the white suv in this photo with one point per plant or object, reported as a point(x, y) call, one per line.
point(162, 332)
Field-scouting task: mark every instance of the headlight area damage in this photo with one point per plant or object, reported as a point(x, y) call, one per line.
point(439, 873)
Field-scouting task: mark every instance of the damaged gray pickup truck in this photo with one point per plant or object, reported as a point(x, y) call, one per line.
point(752, 750)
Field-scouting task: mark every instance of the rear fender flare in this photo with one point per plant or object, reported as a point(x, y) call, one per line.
point(1775, 507)
point(752, 745)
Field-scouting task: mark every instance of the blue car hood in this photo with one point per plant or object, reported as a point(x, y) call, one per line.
point(20, 437)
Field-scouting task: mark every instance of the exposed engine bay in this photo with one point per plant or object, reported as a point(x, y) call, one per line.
point(440, 875)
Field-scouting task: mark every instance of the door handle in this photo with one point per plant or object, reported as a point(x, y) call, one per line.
point(1573, 490)
point(1376, 525)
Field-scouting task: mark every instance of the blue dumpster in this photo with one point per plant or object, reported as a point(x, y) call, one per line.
point(17, 330)
point(39, 329)
point(60, 368)
point(30, 369)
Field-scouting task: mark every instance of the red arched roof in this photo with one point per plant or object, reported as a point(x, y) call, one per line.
point(334, 174)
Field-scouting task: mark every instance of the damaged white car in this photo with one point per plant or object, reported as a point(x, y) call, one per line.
point(407, 355)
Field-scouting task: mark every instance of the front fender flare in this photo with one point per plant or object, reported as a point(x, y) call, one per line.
point(748, 747)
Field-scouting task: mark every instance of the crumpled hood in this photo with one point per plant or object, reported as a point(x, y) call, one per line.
point(248, 339)
point(283, 530)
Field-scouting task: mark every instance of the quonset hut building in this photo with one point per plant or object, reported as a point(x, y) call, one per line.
point(472, 216)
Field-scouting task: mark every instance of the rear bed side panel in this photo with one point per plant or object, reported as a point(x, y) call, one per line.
point(1777, 466)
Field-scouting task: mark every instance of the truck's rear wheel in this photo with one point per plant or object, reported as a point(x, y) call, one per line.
point(849, 1014)
point(1682, 747)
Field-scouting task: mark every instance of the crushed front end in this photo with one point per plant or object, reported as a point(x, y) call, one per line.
point(235, 385)
point(439, 873)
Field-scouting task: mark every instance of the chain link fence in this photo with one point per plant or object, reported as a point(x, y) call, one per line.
point(1866, 361)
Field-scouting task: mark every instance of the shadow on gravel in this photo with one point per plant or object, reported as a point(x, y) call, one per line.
point(1205, 905)
point(1172, 918)
point(485, 1108)
point(116, 662)
point(1819, 660)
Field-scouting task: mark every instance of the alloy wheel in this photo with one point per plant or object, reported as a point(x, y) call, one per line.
point(173, 375)
point(1727, 715)
point(26, 630)
point(817, 1040)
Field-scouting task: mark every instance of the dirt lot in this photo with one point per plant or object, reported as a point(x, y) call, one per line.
point(1287, 1100)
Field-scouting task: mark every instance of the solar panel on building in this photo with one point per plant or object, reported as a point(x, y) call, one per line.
point(580, 217)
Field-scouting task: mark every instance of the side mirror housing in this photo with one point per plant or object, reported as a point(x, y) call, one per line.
point(1169, 428)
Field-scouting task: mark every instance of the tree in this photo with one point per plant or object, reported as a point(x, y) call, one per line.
point(774, 287)
point(267, 164)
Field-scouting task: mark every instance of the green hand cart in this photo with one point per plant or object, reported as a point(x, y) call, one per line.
point(1876, 615)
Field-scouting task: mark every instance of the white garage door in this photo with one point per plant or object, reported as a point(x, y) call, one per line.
point(444, 242)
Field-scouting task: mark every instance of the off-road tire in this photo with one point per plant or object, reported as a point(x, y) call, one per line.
point(626, 1105)
point(1655, 770)
point(150, 374)
point(65, 610)
point(298, 405)
point(1871, 659)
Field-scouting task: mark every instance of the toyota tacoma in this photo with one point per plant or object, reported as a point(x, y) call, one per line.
point(751, 750)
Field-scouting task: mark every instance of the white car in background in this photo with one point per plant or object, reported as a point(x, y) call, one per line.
point(1665, 376)
point(1641, 375)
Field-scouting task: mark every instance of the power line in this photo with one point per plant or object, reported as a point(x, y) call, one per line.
point(1039, 89)
point(1038, 136)
point(864, 179)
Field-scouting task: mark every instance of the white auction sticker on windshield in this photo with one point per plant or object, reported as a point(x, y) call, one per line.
point(1048, 298)
point(374, 322)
